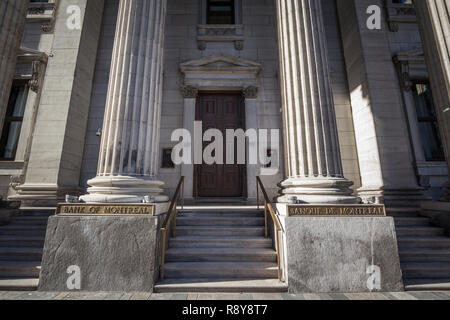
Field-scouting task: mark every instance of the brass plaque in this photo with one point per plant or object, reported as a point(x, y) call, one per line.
point(336, 210)
point(105, 209)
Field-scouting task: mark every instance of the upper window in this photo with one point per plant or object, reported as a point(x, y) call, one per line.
point(13, 122)
point(220, 12)
point(428, 124)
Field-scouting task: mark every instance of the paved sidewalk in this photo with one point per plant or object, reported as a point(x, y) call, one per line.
point(441, 295)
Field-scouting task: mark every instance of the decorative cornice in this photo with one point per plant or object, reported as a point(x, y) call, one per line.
point(43, 13)
point(30, 66)
point(411, 66)
point(220, 33)
point(397, 13)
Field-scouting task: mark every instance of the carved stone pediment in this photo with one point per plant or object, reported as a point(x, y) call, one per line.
point(220, 64)
point(220, 72)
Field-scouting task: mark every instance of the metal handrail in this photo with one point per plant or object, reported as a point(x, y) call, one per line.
point(268, 207)
point(171, 218)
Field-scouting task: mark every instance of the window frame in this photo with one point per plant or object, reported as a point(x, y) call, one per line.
point(203, 17)
point(429, 119)
point(9, 118)
point(221, 2)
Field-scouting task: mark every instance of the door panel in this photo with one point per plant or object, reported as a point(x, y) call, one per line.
point(220, 111)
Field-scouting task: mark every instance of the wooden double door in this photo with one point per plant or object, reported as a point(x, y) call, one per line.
point(220, 111)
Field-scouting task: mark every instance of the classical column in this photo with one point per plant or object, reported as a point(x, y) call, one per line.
point(12, 23)
point(313, 163)
point(434, 24)
point(129, 154)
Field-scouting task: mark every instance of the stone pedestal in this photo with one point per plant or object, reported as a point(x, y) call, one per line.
point(330, 254)
point(312, 152)
point(128, 161)
point(119, 253)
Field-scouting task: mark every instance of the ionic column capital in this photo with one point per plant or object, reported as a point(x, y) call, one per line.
point(251, 92)
point(189, 92)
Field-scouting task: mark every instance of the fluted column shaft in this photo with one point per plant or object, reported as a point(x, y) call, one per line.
point(12, 23)
point(313, 161)
point(434, 23)
point(130, 139)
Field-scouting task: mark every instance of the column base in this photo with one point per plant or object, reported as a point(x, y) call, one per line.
point(43, 195)
point(124, 189)
point(320, 190)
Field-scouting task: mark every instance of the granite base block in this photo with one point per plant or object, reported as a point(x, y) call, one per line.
point(117, 253)
point(336, 254)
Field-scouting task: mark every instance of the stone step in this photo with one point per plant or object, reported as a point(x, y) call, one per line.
point(419, 231)
point(220, 221)
point(219, 231)
point(403, 212)
point(39, 221)
point(19, 284)
point(17, 269)
point(411, 221)
point(424, 255)
point(424, 270)
point(221, 213)
point(221, 270)
point(220, 242)
point(220, 254)
point(427, 284)
point(433, 243)
point(220, 286)
point(34, 241)
point(25, 228)
point(37, 212)
point(20, 254)
point(25, 233)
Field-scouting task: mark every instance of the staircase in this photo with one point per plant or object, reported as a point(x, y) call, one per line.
point(424, 251)
point(21, 245)
point(220, 249)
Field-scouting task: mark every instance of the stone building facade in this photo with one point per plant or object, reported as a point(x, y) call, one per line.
point(93, 90)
